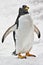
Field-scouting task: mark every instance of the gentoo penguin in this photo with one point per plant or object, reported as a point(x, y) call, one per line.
point(23, 32)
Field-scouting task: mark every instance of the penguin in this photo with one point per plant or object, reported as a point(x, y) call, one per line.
point(23, 30)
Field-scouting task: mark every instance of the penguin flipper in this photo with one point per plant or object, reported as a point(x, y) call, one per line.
point(2, 39)
point(10, 29)
point(39, 35)
point(37, 31)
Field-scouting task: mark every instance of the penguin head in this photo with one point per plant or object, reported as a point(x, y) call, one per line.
point(23, 10)
point(25, 7)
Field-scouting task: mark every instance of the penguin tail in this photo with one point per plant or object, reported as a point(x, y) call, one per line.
point(10, 29)
point(37, 31)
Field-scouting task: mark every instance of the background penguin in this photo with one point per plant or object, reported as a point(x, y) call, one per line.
point(22, 12)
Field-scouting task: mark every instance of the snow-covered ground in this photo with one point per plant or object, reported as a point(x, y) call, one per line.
point(8, 14)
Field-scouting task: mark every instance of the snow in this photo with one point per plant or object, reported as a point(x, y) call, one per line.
point(8, 14)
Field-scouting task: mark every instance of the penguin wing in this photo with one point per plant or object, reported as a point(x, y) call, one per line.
point(10, 29)
point(37, 31)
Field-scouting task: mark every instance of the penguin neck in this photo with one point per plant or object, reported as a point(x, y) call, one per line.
point(22, 14)
point(25, 13)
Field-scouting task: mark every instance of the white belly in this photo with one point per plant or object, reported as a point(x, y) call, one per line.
point(24, 34)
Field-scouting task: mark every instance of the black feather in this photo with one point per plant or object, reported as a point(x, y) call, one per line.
point(2, 39)
point(39, 35)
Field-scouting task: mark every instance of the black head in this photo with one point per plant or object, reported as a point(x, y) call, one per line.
point(25, 7)
point(23, 10)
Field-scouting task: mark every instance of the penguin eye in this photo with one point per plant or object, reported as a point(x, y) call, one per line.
point(24, 6)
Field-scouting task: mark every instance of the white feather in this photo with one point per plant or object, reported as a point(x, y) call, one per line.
point(24, 34)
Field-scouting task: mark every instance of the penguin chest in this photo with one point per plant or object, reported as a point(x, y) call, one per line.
point(24, 34)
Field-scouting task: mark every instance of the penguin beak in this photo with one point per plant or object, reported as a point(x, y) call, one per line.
point(26, 8)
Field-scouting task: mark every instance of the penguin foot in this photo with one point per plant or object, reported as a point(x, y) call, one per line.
point(21, 57)
point(28, 54)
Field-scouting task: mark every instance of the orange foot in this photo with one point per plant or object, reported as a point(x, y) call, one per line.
point(28, 54)
point(20, 56)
